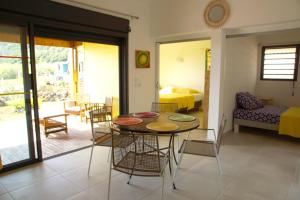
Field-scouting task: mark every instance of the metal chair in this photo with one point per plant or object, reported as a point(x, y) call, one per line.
point(164, 107)
point(138, 154)
point(204, 147)
point(101, 126)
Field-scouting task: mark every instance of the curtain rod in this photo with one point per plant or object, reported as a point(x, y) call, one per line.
point(99, 8)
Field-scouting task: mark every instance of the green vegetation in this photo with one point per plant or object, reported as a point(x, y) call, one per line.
point(10, 71)
point(43, 54)
point(52, 85)
point(47, 54)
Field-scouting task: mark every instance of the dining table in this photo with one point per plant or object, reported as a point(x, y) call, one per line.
point(179, 126)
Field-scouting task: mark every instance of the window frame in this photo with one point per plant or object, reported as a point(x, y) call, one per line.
point(282, 46)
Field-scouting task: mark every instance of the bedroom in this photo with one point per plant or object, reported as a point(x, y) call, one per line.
point(183, 75)
point(277, 93)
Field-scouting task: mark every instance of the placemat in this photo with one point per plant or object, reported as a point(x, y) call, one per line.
point(146, 114)
point(182, 118)
point(127, 121)
point(162, 126)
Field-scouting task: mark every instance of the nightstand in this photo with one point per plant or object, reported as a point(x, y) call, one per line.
point(267, 100)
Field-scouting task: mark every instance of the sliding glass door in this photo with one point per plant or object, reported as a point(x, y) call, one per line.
point(16, 131)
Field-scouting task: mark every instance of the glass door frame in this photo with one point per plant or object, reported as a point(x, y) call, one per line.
point(33, 147)
point(32, 25)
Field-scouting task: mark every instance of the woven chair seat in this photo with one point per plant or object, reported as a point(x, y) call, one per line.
point(103, 139)
point(145, 164)
point(203, 148)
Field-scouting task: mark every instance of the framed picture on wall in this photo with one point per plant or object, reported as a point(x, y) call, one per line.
point(142, 59)
point(207, 59)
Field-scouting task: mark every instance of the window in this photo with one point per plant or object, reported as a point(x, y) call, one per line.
point(280, 62)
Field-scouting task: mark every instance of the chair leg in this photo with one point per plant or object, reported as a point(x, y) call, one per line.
point(109, 179)
point(163, 186)
point(91, 156)
point(218, 161)
point(172, 173)
point(109, 152)
point(182, 149)
point(178, 141)
point(129, 179)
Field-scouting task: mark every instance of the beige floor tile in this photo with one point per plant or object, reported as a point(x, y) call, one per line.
point(169, 195)
point(269, 169)
point(254, 187)
point(25, 176)
point(54, 188)
point(140, 187)
point(5, 197)
point(294, 192)
point(78, 159)
point(98, 174)
point(2, 189)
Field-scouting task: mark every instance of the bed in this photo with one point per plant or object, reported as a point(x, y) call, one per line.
point(267, 117)
point(187, 99)
point(251, 112)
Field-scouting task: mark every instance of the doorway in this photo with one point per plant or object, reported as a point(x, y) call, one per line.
point(40, 75)
point(184, 73)
point(71, 77)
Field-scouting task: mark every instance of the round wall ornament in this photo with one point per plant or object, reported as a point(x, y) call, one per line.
point(216, 13)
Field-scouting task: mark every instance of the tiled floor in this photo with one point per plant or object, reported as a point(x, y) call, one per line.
point(257, 166)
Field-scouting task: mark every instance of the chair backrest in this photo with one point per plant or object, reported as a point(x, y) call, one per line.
point(136, 153)
point(93, 106)
point(164, 107)
point(221, 131)
point(97, 116)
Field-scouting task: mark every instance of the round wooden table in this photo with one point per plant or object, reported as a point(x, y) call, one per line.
point(163, 117)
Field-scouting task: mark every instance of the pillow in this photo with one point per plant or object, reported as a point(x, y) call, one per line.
point(166, 90)
point(248, 101)
point(257, 101)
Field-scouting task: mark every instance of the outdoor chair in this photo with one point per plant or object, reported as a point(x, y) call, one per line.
point(138, 154)
point(73, 107)
point(204, 146)
point(89, 107)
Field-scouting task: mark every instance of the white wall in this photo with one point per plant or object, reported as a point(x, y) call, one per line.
point(177, 16)
point(240, 71)
point(280, 91)
point(183, 64)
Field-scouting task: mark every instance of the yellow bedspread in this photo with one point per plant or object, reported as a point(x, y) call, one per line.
point(290, 122)
point(183, 100)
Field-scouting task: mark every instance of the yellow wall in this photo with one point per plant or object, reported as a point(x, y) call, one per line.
point(183, 64)
point(100, 71)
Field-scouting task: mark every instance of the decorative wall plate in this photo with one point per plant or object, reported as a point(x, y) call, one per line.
point(216, 13)
point(142, 59)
